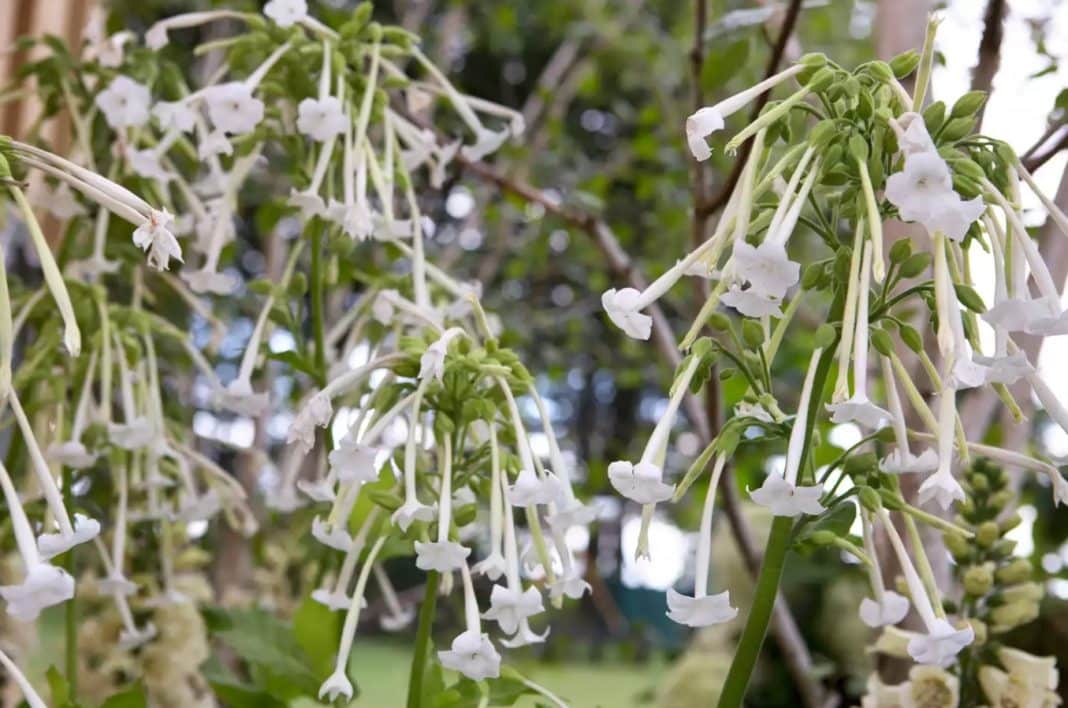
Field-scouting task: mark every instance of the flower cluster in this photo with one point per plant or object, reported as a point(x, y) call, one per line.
point(866, 155)
point(408, 409)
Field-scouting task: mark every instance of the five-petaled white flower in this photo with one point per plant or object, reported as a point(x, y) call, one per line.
point(286, 13)
point(642, 482)
point(44, 585)
point(750, 302)
point(786, 499)
point(700, 611)
point(174, 115)
point(621, 306)
point(442, 556)
point(321, 118)
point(941, 487)
point(473, 655)
point(353, 461)
point(529, 489)
point(508, 606)
point(766, 267)
point(124, 103)
point(923, 192)
point(232, 108)
point(155, 237)
point(941, 644)
point(890, 609)
point(903, 461)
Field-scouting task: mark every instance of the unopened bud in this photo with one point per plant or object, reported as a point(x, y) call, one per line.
point(978, 579)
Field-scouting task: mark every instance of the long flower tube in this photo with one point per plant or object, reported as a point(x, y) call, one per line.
point(845, 342)
point(338, 684)
point(43, 584)
point(887, 607)
point(495, 563)
point(529, 471)
point(33, 699)
point(703, 609)
point(72, 336)
point(941, 642)
point(859, 408)
point(783, 494)
point(337, 598)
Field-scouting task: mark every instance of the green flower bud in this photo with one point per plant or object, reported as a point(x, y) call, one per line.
point(911, 337)
point(822, 134)
point(1009, 523)
point(1023, 592)
point(880, 70)
point(814, 60)
point(968, 104)
point(905, 63)
point(980, 629)
point(957, 128)
point(1001, 499)
point(881, 341)
point(869, 498)
point(1010, 616)
point(915, 264)
point(978, 579)
point(825, 336)
point(1017, 571)
point(821, 80)
point(702, 347)
point(752, 333)
point(987, 534)
point(933, 116)
point(1003, 549)
point(901, 250)
point(957, 546)
point(823, 537)
point(858, 148)
point(968, 168)
point(813, 278)
point(719, 322)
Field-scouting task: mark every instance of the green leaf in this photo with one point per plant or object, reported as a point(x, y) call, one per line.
point(58, 686)
point(296, 361)
point(264, 642)
point(132, 697)
point(317, 628)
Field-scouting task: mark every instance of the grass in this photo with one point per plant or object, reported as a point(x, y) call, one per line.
point(381, 671)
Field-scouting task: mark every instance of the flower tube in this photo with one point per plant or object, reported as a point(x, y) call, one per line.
point(338, 684)
point(859, 408)
point(703, 609)
point(782, 494)
point(942, 641)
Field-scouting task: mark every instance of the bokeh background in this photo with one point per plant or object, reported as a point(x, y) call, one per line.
point(605, 86)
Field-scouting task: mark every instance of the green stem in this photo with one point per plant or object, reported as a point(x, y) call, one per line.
point(70, 618)
point(771, 570)
point(756, 625)
point(422, 640)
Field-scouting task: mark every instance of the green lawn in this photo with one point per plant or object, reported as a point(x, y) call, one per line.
point(381, 669)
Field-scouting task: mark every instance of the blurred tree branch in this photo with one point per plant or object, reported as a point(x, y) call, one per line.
point(989, 50)
point(717, 202)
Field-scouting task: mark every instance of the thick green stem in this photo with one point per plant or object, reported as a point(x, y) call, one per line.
point(771, 570)
point(756, 625)
point(422, 640)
